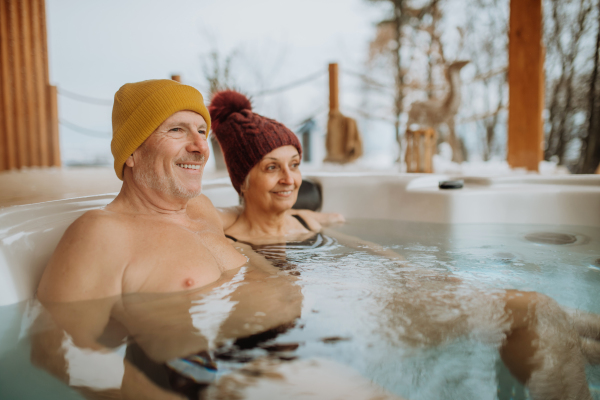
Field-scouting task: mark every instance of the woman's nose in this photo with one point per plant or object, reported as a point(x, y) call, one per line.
point(286, 177)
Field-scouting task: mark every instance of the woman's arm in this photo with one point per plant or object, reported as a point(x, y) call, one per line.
point(357, 243)
point(374, 248)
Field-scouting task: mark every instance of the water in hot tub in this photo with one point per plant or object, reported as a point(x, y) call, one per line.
point(421, 316)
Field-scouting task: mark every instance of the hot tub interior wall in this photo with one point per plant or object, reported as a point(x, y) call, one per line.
point(29, 234)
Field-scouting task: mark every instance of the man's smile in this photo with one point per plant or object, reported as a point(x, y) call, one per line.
point(189, 166)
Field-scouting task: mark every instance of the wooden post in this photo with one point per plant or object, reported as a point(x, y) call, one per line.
point(334, 104)
point(417, 150)
point(408, 156)
point(176, 78)
point(28, 104)
point(526, 85)
point(428, 156)
point(415, 141)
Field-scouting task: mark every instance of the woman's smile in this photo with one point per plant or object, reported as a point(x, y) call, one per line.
point(283, 193)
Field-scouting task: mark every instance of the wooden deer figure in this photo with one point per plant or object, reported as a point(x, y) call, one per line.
point(435, 112)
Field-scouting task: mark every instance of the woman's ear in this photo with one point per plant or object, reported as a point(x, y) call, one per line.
point(244, 185)
point(129, 162)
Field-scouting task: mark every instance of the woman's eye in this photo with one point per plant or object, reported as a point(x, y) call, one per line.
point(175, 129)
point(295, 165)
point(270, 167)
point(202, 132)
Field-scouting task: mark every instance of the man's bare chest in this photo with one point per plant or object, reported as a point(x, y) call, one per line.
point(170, 257)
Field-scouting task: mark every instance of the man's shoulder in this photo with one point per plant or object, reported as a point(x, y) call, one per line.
point(97, 229)
point(201, 207)
point(200, 204)
point(88, 261)
point(98, 222)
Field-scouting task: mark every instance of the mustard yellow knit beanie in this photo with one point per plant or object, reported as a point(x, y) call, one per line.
point(139, 108)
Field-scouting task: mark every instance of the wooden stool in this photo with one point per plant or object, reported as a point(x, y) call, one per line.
point(419, 142)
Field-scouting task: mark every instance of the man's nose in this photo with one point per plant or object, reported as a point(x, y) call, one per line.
point(198, 143)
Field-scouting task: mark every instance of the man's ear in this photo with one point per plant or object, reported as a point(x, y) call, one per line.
point(129, 162)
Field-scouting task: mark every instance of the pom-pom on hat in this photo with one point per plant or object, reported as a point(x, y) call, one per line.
point(245, 137)
point(141, 107)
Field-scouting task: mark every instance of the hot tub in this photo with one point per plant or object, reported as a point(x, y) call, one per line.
point(29, 233)
point(499, 230)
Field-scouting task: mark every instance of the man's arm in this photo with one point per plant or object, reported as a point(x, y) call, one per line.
point(81, 283)
point(75, 335)
point(80, 288)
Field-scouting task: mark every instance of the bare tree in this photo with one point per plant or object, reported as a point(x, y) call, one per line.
point(224, 71)
point(390, 32)
point(395, 35)
point(566, 25)
point(217, 71)
point(591, 142)
point(486, 33)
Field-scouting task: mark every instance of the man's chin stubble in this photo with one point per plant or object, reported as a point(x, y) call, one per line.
point(165, 185)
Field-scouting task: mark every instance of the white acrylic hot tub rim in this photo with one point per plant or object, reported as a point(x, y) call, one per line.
point(29, 233)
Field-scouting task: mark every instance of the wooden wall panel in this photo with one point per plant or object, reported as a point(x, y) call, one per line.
point(17, 82)
point(40, 82)
point(7, 143)
point(28, 104)
point(526, 84)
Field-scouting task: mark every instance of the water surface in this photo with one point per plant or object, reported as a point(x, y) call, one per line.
point(425, 324)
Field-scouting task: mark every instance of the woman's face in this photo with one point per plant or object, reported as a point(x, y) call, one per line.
point(273, 183)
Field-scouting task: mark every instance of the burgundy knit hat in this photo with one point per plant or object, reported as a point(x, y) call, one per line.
point(245, 137)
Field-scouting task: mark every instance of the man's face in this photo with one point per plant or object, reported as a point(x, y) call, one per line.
point(172, 159)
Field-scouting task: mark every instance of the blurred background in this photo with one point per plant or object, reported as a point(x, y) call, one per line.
point(277, 52)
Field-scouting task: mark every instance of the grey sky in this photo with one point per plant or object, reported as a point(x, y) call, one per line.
point(96, 46)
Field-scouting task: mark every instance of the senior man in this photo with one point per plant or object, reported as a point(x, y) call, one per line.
point(114, 272)
point(149, 242)
point(145, 240)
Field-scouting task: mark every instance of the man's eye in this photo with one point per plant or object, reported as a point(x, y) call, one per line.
point(202, 132)
point(175, 129)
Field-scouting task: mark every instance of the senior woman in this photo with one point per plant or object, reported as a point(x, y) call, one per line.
point(263, 159)
point(543, 346)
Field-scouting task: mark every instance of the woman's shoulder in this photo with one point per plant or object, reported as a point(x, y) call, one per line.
point(307, 219)
point(318, 219)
